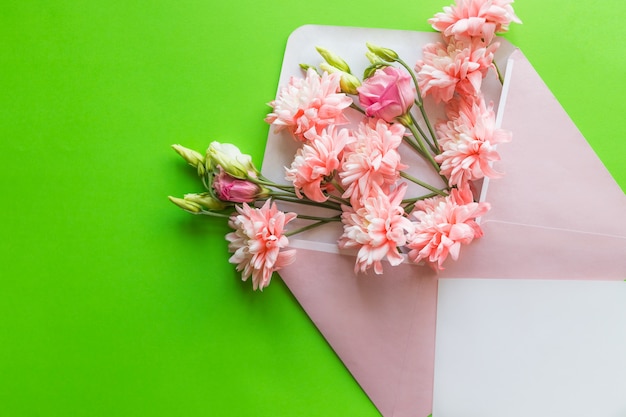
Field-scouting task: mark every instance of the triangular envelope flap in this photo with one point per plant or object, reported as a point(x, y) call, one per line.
point(553, 177)
point(557, 212)
point(382, 328)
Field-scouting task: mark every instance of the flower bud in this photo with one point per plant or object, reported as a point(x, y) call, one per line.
point(205, 200)
point(386, 54)
point(334, 60)
point(232, 161)
point(373, 58)
point(235, 190)
point(371, 70)
point(189, 206)
point(192, 157)
point(348, 82)
point(305, 67)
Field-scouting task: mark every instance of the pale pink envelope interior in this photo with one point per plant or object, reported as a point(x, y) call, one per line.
point(557, 213)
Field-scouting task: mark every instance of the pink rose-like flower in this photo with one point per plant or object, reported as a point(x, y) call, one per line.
point(377, 229)
point(468, 141)
point(228, 188)
point(316, 162)
point(443, 225)
point(313, 102)
point(372, 163)
point(455, 67)
point(475, 19)
point(387, 94)
point(257, 241)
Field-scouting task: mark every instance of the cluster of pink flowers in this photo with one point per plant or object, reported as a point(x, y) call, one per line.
point(349, 159)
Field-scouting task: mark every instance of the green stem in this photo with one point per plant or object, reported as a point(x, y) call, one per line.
point(214, 214)
point(420, 141)
point(261, 180)
point(500, 76)
point(305, 228)
point(422, 183)
point(320, 219)
point(339, 199)
point(355, 107)
point(416, 199)
point(293, 199)
point(423, 134)
point(420, 102)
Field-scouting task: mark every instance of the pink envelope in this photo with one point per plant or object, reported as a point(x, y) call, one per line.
point(556, 214)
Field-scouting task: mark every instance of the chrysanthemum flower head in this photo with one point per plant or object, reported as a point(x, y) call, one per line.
point(377, 228)
point(443, 225)
point(456, 67)
point(313, 102)
point(317, 161)
point(478, 19)
point(372, 163)
point(257, 242)
point(468, 141)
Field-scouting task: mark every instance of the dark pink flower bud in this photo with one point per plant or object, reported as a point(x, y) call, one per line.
point(235, 190)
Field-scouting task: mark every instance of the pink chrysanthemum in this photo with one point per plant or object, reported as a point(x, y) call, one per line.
point(468, 142)
point(313, 102)
point(257, 241)
point(480, 19)
point(377, 229)
point(456, 67)
point(372, 162)
point(316, 162)
point(443, 225)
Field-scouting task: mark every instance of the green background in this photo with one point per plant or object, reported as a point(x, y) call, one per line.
point(113, 302)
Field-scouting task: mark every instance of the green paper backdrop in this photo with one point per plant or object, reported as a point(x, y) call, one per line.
point(113, 302)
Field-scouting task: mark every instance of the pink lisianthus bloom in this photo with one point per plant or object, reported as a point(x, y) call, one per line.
point(313, 102)
point(257, 241)
point(468, 141)
point(371, 163)
point(316, 162)
point(377, 228)
point(443, 225)
point(387, 94)
point(235, 190)
point(456, 67)
point(480, 19)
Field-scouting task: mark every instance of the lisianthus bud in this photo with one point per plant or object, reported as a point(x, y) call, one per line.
point(235, 190)
point(371, 70)
point(334, 60)
point(373, 58)
point(192, 157)
point(230, 158)
point(205, 200)
point(348, 82)
point(305, 67)
point(388, 94)
point(386, 54)
point(189, 206)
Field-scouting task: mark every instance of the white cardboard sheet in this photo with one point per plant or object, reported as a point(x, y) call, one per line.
point(519, 348)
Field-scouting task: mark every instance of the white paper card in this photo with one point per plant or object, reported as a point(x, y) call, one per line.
point(519, 348)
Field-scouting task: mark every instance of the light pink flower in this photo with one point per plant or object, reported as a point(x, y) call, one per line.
point(257, 241)
point(443, 225)
point(313, 102)
point(469, 140)
point(316, 162)
point(475, 19)
point(377, 229)
point(456, 67)
point(372, 162)
point(228, 188)
point(387, 94)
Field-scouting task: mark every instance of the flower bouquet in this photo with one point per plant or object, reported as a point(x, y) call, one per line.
point(386, 163)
